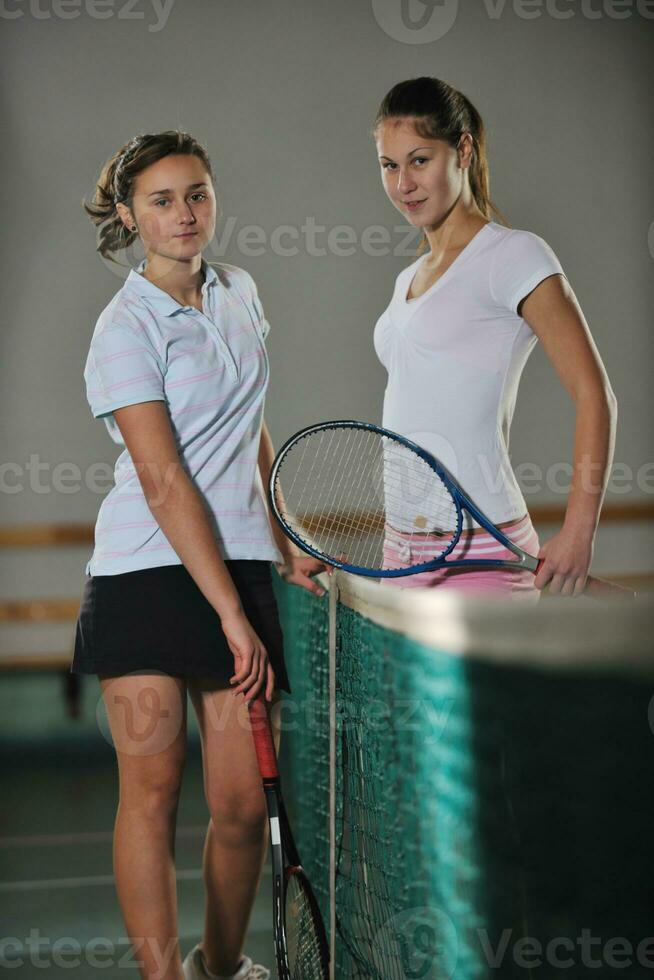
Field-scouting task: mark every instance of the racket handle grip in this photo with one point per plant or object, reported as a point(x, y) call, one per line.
point(263, 739)
point(599, 588)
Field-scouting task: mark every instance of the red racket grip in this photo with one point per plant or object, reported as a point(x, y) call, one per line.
point(263, 739)
point(599, 588)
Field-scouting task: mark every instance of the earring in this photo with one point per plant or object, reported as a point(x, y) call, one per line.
point(133, 228)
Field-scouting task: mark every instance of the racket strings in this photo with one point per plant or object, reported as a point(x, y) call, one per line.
point(339, 488)
point(360, 522)
point(350, 493)
point(310, 479)
point(304, 947)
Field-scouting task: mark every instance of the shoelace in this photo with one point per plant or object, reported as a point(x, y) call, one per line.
point(258, 972)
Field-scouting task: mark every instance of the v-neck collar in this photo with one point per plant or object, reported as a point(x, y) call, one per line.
point(414, 300)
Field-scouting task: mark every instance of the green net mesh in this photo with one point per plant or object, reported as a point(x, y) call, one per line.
point(491, 820)
point(304, 754)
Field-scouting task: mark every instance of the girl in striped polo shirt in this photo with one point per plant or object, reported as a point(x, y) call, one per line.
point(178, 595)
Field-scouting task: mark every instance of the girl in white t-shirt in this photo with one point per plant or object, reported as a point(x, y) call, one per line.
point(456, 335)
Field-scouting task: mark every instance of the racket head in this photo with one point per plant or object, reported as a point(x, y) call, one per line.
point(341, 489)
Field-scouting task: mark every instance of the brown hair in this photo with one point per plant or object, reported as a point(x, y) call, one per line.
point(439, 111)
point(116, 182)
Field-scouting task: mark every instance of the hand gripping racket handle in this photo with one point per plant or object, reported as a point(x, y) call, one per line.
point(599, 588)
point(263, 740)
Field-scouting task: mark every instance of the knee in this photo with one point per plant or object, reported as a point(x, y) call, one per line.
point(239, 818)
point(153, 793)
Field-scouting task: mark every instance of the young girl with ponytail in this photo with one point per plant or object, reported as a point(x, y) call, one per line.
point(457, 333)
point(178, 595)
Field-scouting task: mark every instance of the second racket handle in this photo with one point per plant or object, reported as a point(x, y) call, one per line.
point(263, 738)
point(598, 588)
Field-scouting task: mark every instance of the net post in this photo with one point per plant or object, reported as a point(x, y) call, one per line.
point(333, 606)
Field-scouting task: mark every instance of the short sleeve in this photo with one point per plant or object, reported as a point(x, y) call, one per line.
point(122, 368)
point(520, 263)
point(264, 326)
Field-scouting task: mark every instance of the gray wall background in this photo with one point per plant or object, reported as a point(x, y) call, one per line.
point(283, 94)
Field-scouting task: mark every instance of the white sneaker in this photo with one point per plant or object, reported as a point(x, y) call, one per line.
point(195, 968)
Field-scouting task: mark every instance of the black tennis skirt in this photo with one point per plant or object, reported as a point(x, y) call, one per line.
point(158, 619)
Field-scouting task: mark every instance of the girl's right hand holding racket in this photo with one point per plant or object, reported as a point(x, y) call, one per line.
point(299, 569)
point(252, 668)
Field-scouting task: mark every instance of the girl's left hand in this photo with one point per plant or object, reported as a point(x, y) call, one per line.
point(298, 571)
point(568, 556)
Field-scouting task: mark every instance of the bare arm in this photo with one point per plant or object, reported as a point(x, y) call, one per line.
point(266, 459)
point(297, 568)
point(180, 512)
point(553, 313)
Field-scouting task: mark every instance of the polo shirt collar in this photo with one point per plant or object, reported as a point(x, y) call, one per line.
point(158, 298)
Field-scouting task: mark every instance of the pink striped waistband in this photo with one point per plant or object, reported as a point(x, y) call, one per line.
point(479, 544)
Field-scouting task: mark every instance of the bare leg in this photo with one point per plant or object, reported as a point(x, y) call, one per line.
point(237, 836)
point(147, 717)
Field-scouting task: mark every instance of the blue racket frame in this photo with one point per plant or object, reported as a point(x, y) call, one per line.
point(459, 496)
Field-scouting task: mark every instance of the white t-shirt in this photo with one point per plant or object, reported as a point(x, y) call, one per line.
point(454, 357)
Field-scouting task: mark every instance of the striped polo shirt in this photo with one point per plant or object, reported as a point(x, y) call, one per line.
point(211, 369)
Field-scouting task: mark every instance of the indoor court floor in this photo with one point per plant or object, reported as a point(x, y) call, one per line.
point(56, 880)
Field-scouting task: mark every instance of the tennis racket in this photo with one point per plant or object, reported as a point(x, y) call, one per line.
point(356, 495)
point(301, 948)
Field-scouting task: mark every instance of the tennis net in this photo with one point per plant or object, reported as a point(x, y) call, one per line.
point(492, 787)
